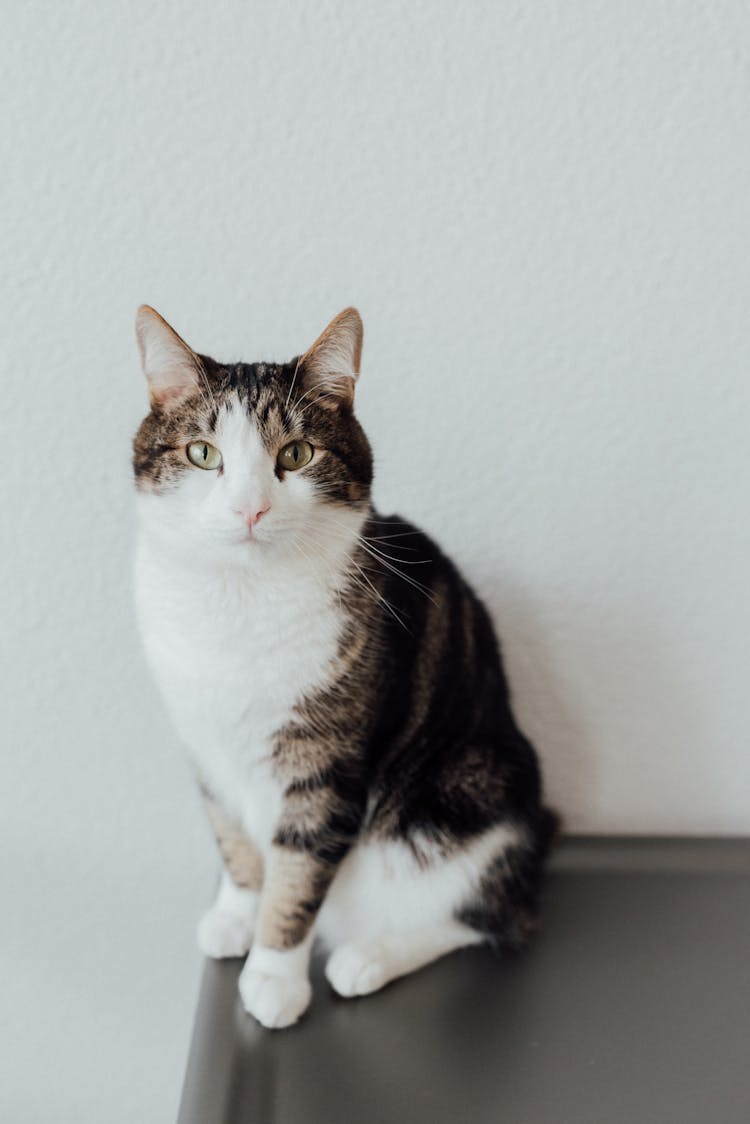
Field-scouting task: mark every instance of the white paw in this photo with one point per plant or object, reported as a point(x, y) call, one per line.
point(275, 1001)
point(222, 934)
point(356, 969)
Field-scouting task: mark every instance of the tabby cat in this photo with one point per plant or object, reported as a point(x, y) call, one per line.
point(337, 682)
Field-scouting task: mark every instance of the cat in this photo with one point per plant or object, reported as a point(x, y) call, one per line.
point(337, 682)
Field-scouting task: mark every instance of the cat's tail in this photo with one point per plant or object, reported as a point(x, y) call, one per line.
point(505, 908)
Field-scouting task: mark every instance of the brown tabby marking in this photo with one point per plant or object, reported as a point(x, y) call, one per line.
point(412, 737)
point(283, 411)
point(293, 892)
point(241, 858)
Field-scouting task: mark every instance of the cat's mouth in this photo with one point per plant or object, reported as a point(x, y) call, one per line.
point(250, 537)
point(241, 538)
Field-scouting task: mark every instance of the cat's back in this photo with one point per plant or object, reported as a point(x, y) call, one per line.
point(447, 749)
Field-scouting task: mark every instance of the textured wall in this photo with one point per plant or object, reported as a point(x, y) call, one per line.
point(542, 211)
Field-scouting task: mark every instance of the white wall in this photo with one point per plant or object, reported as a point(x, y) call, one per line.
point(542, 211)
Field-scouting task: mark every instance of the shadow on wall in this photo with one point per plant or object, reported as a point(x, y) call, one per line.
point(542, 700)
point(600, 690)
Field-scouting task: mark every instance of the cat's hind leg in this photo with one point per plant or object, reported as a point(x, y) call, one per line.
point(504, 907)
point(226, 929)
point(363, 966)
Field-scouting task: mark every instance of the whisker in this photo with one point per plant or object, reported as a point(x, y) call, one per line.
point(409, 580)
point(291, 388)
point(403, 561)
point(309, 390)
point(306, 556)
point(207, 385)
point(400, 535)
point(386, 561)
point(370, 587)
point(386, 604)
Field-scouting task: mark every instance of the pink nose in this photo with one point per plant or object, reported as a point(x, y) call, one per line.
point(251, 517)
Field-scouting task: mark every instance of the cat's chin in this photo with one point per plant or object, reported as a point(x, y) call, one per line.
point(250, 549)
point(248, 539)
point(245, 549)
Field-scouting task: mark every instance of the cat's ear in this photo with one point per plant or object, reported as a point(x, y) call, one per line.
point(172, 369)
point(330, 367)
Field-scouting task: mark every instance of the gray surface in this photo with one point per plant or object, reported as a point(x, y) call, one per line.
point(632, 1007)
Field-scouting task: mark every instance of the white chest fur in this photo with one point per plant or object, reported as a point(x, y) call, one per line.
point(232, 654)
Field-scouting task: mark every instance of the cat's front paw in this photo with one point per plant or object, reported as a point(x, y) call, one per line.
point(356, 968)
point(222, 933)
point(275, 1001)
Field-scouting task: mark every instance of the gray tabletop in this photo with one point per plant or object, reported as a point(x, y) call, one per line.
point(631, 1007)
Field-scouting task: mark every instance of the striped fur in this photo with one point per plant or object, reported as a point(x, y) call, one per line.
point(338, 683)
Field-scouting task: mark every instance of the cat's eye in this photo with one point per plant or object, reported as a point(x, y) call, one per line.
point(203, 455)
point(295, 455)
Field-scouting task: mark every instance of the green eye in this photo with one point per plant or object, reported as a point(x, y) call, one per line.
point(203, 455)
point(295, 455)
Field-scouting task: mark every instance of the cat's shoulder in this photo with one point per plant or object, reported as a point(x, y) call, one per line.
point(400, 537)
point(409, 552)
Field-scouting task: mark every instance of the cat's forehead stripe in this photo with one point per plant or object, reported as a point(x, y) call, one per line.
point(276, 399)
point(261, 389)
point(238, 432)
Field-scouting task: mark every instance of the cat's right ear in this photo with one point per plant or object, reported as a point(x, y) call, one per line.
point(172, 369)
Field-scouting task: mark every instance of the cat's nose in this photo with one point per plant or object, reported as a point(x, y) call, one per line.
point(251, 515)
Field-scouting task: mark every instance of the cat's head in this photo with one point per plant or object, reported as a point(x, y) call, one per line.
point(251, 459)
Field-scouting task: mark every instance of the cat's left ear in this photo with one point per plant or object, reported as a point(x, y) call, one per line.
point(172, 369)
point(330, 367)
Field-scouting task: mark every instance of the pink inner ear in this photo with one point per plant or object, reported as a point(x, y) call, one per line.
point(167, 395)
point(327, 388)
point(331, 365)
point(170, 366)
point(168, 387)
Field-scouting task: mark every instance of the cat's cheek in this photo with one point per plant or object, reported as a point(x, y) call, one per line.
point(212, 512)
point(298, 495)
point(183, 509)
